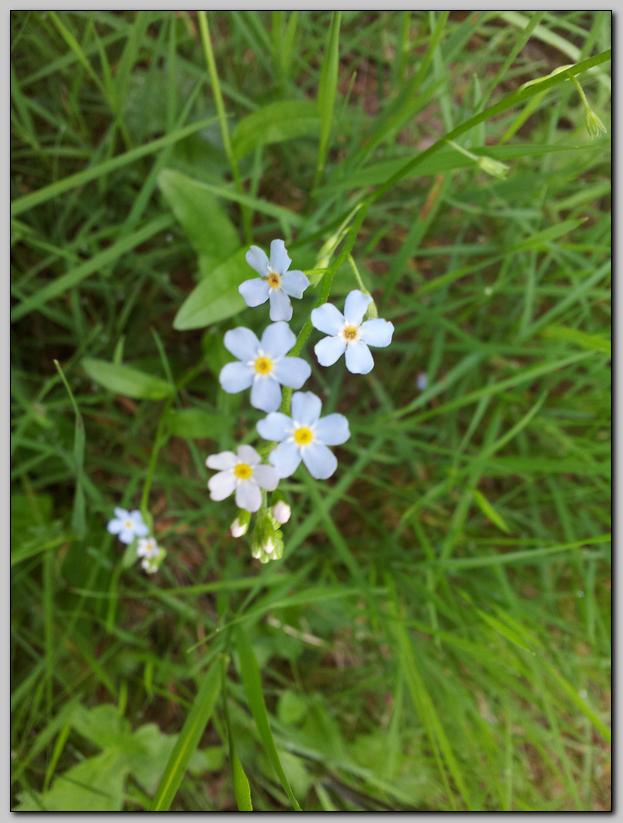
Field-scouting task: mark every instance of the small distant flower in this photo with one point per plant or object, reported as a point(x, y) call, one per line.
point(263, 365)
point(147, 547)
point(281, 512)
point(422, 380)
point(127, 525)
point(349, 334)
point(275, 282)
point(243, 473)
point(304, 436)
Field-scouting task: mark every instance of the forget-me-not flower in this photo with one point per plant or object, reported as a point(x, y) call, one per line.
point(275, 282)
point(263, 365)
point(347, 333)
point(304, 436)
point(127, 525)
point(244, 473)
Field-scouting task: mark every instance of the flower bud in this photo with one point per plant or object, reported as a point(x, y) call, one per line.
point(240, 526)
point(594, 125)
point(281, 511)
point(493, 167)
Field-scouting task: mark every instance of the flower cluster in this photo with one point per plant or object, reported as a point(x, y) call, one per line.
point(132, 530)
point(296, 432)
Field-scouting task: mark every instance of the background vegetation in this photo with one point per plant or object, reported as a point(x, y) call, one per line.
point(437, 634)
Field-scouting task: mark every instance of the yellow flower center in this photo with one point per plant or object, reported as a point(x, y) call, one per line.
point(243, 471)
point(128, 524)
point(273, 279)
point(303, 436)
point(350, 333)
point(263, 364)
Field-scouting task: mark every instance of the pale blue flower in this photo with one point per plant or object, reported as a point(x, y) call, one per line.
point(263, 365)
point(304, 436)
point(243, 473)
point(275, 282)
point(347, 333)
point(127, 525)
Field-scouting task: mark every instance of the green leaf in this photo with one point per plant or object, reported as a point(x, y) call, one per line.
point(291, 709)
point(592, 342)
point(276, 123)
point(102, 725)
point(489, 512)
point(126, 380)
point(188, 740)
point(250, 674)
point(242, 790)
point(327, 88)
point(206, 224)
point(78, 517)
point(195, 423)
point(94, 785)
point(216, 296)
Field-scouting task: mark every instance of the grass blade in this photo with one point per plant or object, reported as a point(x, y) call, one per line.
point(188, 740)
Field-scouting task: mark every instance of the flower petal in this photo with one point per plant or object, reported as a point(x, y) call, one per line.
point(277, 339)
point(358, 358)
point(294, 283)
point(265, 394)
point(126, 536)
point(254, 292)
point(279, 259)
point(332, 430)
point(306, 407)
point(276, 426)
point(242, 343)
point(140, 530)
point(329, 350)
point(377, 332)
point(235, 377)
point(248, 455)
point(221, 485)
point(248, 496)
point(115, 526)
point(292, 371)
point(122, 513)
point(285, 458)
point(355, 306)
point(280, 306)
point(257, 259)
point(266, 477)
point(327, 319)
point(320, 461)
point(221, 461)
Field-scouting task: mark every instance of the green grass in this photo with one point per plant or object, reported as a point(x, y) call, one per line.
point(437, 635)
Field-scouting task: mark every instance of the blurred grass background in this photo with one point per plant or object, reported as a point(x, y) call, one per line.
point(437, 636)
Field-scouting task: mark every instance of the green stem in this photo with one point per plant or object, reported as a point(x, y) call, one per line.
point(206, 42)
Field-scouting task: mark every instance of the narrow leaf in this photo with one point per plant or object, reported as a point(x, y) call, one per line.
point(126, 380)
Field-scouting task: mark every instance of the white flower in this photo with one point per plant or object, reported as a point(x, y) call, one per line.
point(281, 512)
point(348, 333)
point(147, 547)
point(238, 529)
point(422, 381)
point(263, 365)
point(127, 525)
point(275, 282)
point(304, 436)
point(243, 473)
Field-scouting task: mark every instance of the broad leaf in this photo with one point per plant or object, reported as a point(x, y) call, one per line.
point(196, 423)
point(276, 123)
point(216, 296)
point(126, 380)
point(205, 222)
